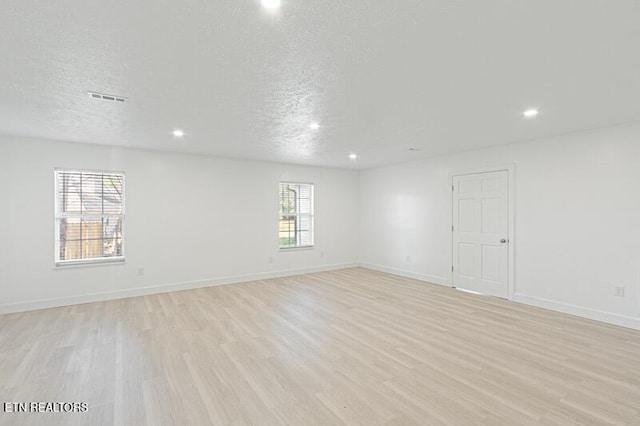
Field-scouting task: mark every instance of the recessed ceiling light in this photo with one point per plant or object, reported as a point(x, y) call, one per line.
point(353, 156)
point(270, 4)
point(178, 133)
point(314, 126)
point(530, 113)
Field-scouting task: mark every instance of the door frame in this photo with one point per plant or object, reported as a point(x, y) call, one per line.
point(511, 218)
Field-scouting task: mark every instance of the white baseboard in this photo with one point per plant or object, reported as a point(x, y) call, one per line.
point(589, 313)
point(164, 288)
point(408, 274)
point(593, 314)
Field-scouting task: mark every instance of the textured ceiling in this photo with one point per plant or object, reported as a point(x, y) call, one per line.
point(380, 76)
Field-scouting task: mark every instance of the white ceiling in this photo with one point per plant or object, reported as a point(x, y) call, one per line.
point(380, 76)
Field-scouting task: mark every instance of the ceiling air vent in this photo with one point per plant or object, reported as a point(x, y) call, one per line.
point(104, 97)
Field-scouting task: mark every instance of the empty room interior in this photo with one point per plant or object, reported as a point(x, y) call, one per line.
point(296, 212)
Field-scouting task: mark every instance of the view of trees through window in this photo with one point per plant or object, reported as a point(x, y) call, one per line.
point(296, 215)
point(89, 215)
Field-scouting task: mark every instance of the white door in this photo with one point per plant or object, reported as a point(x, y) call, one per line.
point(480, 232)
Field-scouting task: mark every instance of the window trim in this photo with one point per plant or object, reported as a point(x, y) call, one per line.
point(298, 247)
point(97, 261)
point(311, 215)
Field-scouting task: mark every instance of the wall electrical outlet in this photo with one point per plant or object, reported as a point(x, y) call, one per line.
point(140, 272)
point(321, 254)
point(408, 259)
point(270, 259)
point(619, 291)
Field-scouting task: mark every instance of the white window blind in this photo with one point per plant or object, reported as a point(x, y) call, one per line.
point(296, 215)
point(89, 216)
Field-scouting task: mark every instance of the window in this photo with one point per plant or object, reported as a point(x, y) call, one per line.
point(296, 215)
point(89, 216)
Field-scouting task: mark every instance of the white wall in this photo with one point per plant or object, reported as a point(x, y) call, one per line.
point(190, 221)
point(195, 221)
point(577, 220)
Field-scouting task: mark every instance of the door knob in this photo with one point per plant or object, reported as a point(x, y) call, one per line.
point(504, 240)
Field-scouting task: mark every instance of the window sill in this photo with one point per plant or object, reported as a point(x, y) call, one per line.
point(88, 263)
point(297, 248)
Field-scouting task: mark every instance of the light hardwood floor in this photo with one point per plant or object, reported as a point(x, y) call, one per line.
point(344, 347)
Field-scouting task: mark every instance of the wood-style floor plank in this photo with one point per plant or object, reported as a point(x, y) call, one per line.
point(353, 347)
